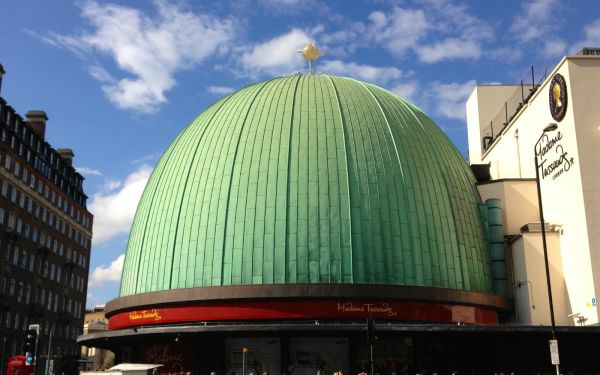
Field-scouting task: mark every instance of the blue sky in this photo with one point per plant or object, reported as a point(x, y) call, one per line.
point(120, 79)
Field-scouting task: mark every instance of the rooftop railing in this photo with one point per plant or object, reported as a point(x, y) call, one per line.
point(511, 107)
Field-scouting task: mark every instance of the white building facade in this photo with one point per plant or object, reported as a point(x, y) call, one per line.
point(569, 181)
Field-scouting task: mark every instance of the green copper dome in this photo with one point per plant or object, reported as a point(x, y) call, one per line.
point(308, 179)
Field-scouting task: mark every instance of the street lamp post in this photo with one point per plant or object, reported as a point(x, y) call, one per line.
point(549, 128)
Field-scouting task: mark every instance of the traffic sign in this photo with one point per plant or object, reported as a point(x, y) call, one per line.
point(554, 357)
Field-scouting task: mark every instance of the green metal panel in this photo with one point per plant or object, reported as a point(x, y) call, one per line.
point(309, 179)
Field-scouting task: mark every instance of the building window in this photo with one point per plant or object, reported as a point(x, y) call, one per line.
point(34, 235)
point(20, 292)
point(58, 274)
point(49, 306)
point(11, 288)
point(28, 294)
point(31, 262)
point(4, 188)
point(29, 205)
point(25, 175)
point(13, 195)
point(19, 225)
point(32, 181)
point(7, 162)
point(16, 326)
point(11, 220)
point(24, 259)
point(1, 216)
point(45, 269)
point(15, 256)
point(22, 201)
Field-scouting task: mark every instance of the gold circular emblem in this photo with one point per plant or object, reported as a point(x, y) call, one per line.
point(558, 97)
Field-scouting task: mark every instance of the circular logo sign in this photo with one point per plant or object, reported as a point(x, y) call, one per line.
point(558, 97)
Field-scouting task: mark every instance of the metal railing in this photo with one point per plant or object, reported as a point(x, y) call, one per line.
point(511, 107)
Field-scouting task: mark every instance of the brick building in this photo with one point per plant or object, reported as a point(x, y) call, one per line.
point(45, 240)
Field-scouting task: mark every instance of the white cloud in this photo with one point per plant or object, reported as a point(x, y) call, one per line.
point(111, 185)
point(449, 99)
point(147, 158)
point(88, 171)
point(405, 90)
point(276, 56)
point(450, 48)
point(112, 273)
point(220, 90)
point(149, 50)
point(290, 6)
point(555, 48)
point(367, 73)
point(440, 30)
point(592, 36)
point(534, 21)
point(114, 206)
point(399, 30)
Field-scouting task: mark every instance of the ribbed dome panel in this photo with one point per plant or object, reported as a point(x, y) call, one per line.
point(308, 179)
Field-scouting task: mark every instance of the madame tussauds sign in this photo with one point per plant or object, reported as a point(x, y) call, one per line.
point(553, 159)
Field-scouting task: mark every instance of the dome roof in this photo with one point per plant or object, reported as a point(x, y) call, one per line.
point(308, 179)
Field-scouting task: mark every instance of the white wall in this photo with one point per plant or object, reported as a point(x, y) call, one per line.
point(531, 292)
point(482, 107)
point(584, 75)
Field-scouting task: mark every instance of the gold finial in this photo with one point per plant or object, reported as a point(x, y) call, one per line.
point(310, 52)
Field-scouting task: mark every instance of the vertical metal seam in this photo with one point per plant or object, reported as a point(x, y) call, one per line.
point(287, 200)
point(344, 131)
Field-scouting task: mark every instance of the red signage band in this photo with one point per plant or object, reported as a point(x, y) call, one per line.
point(303, 309)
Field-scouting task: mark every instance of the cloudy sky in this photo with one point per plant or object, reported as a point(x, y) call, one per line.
point(120, 79)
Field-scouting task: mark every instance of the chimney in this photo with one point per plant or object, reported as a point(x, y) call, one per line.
point(67, 155)
point(2, 71)
point(37, 122)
